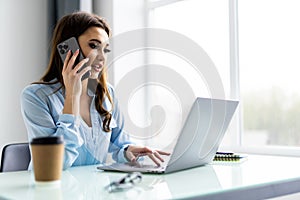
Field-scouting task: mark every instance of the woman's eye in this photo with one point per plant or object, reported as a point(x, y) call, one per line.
point(93, 46)
point(107, 50)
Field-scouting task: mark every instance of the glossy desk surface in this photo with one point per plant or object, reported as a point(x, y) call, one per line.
point(258, 177)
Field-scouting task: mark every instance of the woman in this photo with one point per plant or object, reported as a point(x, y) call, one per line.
point(84, 111)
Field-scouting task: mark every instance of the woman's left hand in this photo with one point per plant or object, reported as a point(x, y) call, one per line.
point(134, 152)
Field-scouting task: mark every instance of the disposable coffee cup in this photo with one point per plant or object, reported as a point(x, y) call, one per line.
point(47, 156)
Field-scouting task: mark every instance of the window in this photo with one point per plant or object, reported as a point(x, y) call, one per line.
point(190, 18)
point(201, 23)
point(266, 42)
point(269, 49)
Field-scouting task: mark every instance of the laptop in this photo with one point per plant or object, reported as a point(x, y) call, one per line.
point(197, 142)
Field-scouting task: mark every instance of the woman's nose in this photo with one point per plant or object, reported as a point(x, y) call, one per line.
point(100, 56)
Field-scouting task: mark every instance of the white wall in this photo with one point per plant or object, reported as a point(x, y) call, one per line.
point(23, 58)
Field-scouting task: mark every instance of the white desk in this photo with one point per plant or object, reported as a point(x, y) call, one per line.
point(257, 178)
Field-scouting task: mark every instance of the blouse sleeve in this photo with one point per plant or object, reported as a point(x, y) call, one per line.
point(39, 122)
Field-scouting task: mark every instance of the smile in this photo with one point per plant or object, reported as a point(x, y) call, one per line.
point(97, 67)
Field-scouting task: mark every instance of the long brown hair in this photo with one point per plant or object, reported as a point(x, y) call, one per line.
point(73, 25)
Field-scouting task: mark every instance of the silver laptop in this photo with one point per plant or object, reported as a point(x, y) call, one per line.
point(197, 142)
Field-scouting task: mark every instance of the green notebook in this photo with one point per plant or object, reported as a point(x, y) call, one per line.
point(229, 157)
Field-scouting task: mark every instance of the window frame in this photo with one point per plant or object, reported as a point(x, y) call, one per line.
point(235, 91)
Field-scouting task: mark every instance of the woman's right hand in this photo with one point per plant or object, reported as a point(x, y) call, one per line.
point(71, 76)
point(72, 82)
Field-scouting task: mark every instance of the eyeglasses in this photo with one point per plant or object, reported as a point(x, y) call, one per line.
point(125, 183)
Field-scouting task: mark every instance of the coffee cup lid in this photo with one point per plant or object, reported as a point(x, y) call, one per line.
point(47, 140)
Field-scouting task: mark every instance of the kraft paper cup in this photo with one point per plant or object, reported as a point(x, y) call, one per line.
point(47, 156)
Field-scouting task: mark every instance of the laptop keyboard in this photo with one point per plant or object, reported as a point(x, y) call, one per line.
point(139, 165)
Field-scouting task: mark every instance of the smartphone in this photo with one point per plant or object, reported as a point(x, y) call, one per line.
point(72, 44)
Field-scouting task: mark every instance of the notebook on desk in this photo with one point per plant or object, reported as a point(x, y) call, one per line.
point(198, 141)
point(229, 158)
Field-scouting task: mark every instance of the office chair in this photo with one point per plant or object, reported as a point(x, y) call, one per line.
point(15, 157)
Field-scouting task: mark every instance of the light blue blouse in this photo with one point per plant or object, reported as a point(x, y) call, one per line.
point(42, 109)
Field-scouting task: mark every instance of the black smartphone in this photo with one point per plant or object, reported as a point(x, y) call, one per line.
point(72, 44)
